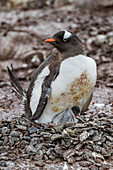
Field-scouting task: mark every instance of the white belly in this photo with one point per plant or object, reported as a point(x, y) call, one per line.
point(73, 86)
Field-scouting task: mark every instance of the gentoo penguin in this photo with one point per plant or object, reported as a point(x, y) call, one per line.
point(65, 79)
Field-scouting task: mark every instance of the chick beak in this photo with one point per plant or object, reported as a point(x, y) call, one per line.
point(49, 39)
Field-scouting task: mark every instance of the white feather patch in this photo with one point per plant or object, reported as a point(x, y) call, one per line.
point(67, 35)
point(70, 69)
point(37, 89)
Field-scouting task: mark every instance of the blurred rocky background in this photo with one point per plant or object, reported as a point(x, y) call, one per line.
point(23, 25)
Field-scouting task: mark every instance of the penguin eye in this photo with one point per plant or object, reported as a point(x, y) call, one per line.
point(65, 40)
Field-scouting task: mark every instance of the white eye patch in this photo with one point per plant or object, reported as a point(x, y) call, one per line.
point(66, 35)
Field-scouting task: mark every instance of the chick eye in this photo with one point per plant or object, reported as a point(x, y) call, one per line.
point(65, 40)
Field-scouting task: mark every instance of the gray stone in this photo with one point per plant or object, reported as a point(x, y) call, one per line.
point(10, 164)
point(58, 151)
point(56, 137)
point(31, 150)
point(14, 139)
point(40, 163)
point(6, 140)
point(52, 157)
point(27, 137)
point(71, 160)
point(45, 134)
point(83, 136)
point(85, 163)
point(110, 138)
point(97, 137)
point(33, 135)
point(15, 134)
point(21, 127)
point(4, 149)
point(69, 153)
point(33, 141)
point(1, 142)
point(49, 151)
point(5, 130)
point(32, 130)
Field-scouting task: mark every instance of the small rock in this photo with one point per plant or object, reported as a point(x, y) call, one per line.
point(15, 134)
point(46, 157)
point(97, 148)
point(39, 155)
point(40, 163)
point(4, 158)
point(32, 130)
point(97, 137)
point(97, 155)
point(49, 151)
point(14, 139)
point(58, 151)
point(85, 163)
point(103, 151)
point(68, 154)
point(108, 143)
point(52, 157)
point(27, 138)
point(33, 141)
point(56, 137)
point(110, 138)
point(101, 38)
point(5, 130)
point(91, 132)
point(6, 140)
point(84, 136)
point(1, 142)
point(31, 150)
point(4, 149)
point(21, 127)
point(33, 135)
point(3, 164)
point(105, 166)
point(10, 164)
point(45, 134)
point(71, 160)
point(69, 131)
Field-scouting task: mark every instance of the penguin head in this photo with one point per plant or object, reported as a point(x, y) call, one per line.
point(66, 42)
point(75, 110)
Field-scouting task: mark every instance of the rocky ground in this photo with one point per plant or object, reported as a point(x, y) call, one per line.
point(24, 144)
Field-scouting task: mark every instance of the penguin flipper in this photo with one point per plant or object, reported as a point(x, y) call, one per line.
point(46, 89)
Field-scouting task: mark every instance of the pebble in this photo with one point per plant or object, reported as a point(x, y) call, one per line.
point(14, 139)
point(32, 130)
point(71, 160)
point(69, 153)
point(21, 127)
point(31, 150)
point(40, 163)
point(56, 137)
point(54, 143)
point(15, 134)
point(33, 141)
point(4, 149)
point(101, 38)
point(10, 164)
point(83, 136)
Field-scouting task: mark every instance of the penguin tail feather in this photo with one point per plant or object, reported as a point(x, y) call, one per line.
point(17, 88)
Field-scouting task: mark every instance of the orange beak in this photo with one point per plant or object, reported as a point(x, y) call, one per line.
point(50, 39)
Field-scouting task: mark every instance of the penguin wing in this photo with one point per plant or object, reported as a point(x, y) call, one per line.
point(46, 89)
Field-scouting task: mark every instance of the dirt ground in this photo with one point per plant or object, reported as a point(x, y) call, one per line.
point(21, 33)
